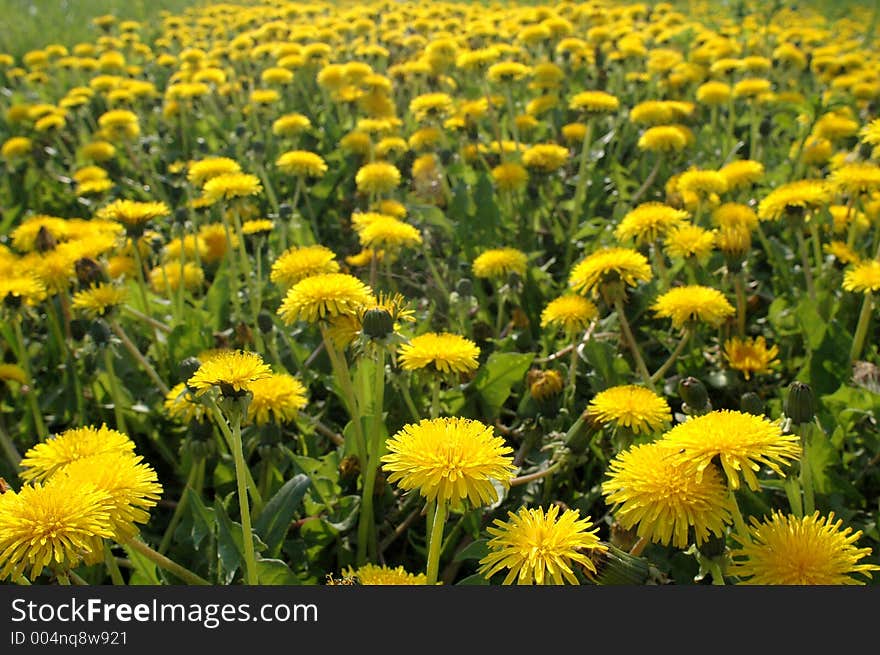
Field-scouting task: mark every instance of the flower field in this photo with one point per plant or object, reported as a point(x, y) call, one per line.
point(443, 293)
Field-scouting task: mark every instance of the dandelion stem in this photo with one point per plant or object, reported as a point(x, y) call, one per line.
point(181, 505)
point(862, 327)
point(9, 450)
point(741, 303)
point(435, 396)
point(580, 189)
point(572, 374)
point(39, 424)
point(343, 377)
point(531, 477)
point(634, 198)
point(165, 563)
point(243, 504)
point(138, 356)
point(633, 346)
point(112, 566)
point(674, 355)
point(739, 523)
point(806, 472)
point(435, 542)
point(114, 390)
point(159, 325)
point(366, 520)
point(229, 439)
point(805, 263)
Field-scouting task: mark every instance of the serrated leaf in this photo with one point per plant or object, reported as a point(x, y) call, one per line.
point(274, 520)
point(496, 379)
point(475, 550)
point(473, 580)
point(203, 517)
point(230, 542)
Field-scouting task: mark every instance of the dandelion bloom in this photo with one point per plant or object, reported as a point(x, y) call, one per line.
point(57, 524)
point(374, 574)
point(277, 398)
point(688, 241)
point(539, 547)
point(387, 232)
point(377, 177)
point(302, 163)
point(664, 498)
point(233, 372)
point(442, 352)
point(22, 288)
point(630, 406)
point(180, 406)
point(449, 459)
point(499, 263)
point(571, 311)
point(750, 355)
point(663, 138)
point(702, 182)
point(812, 550)
point(200, 171)
point(856, 178)
point(649, 222)
point(693, 303)
point(133, 213)
point(794, 197)
point(132, 487)
point(324, 296)
point(297, 263)
point(44, 459)
point(741, 442)
point(734, 214)
point(608, 265)
point(231, 185)
point(864, 277)
point(16, 147)
point(544, 384)
point(510, 176)
point(714, 93)
point(594, 102)
point(546, 157)
point(742, 173)
point(99, 299)
point(169, 277)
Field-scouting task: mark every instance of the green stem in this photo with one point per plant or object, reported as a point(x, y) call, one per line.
point(806, 473)
point(10, 451)
point(243, 504)
point(366, 520)
point(165, 563)
point(230, 443)
point(112, 566)
point(738, 521)
point(24, 360)
point(343, 377)
point(862, 327)
point(181, 506)
point(435, 542)
point(572, 374)
point(139, 357)
point(580, 189)
point(633, 346)
point(679, 348)
point(741, 302)
point(435, 396)
point(805, 263)
point(114, 390)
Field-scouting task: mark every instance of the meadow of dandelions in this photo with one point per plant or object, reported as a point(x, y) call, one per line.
point(444, 293)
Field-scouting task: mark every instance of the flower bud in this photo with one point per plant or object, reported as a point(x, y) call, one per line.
point(265, 322)
point(377, 323)
point(464, 287)
point(188, 367)
point(88, 272)
point(45, 240)
point(751, 403)
point(100, 332)
point(544, 384)
point(800, 404)
point(694, 395)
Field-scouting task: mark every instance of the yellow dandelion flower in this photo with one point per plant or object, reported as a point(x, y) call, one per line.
point(545, 157)
point(649, 222)
point(663, 138)
point(323, 296)
point(510, 176)
point(389, 233)
point(374, 574)
point(539, 547)
point(180, 406)
point(43, 460)
point(99, 299)
point(740, 442)
point(630, 406)
point(664, 499)
point(449, 459)
point(845, 255)
point(688, 241)
point(233, 372)
point(16, 147)
point(13, 372)
point(442, 352)
point(377, 177)
point(133, 213)
point(735, 215)
point(291, 125)
point(702, 182)
point(431, 106)
point(277, 398)
point(200, 171)
point(302, 163)
point(750, 355)
point(693, 303)
point(863, 277)
point(742, 173)
point(571, 312)
point(594, 102)
point(297, 263)
point(53, 525)
point(811, 550)
point(169, 276)
point(794, 198)
point(26, 289)
point(228, 186)
point(499, 263)
point(855, 178)
point(131, 485)
point(608, 265)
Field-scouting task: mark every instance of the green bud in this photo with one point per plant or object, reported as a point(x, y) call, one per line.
point(464, 287)
point(265, 322)
point(188, 367)
point(578, 436)
point(751, 403)
point(378, 323)
point(100, 332)
point(800, 404)
point(694, 395)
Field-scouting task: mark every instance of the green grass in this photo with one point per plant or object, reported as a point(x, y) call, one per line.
point(30, 24)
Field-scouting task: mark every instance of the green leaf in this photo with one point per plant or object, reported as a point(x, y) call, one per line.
point(275, 572)
point(475, 550)
point(230, 542)
point(433, 216)
point(144, 570)
point(496, 379)
point(822, 458)
point(607, 366)
point(217, 299)
point(345, 513)
point(203, 517)
point(274, 520)
point(473, 580)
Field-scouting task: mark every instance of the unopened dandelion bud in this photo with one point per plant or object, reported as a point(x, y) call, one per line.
point(377, 323)
point(265, 322)
point(582, 430)
point(712, 547)
point(45, 240)
point(751, 403)
point(800, 404)
point(187, 367)
point(544, 385)
point(89, 272)
point(285, 210)
point(100, 332)
point(464, 287)
point(693, 394)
